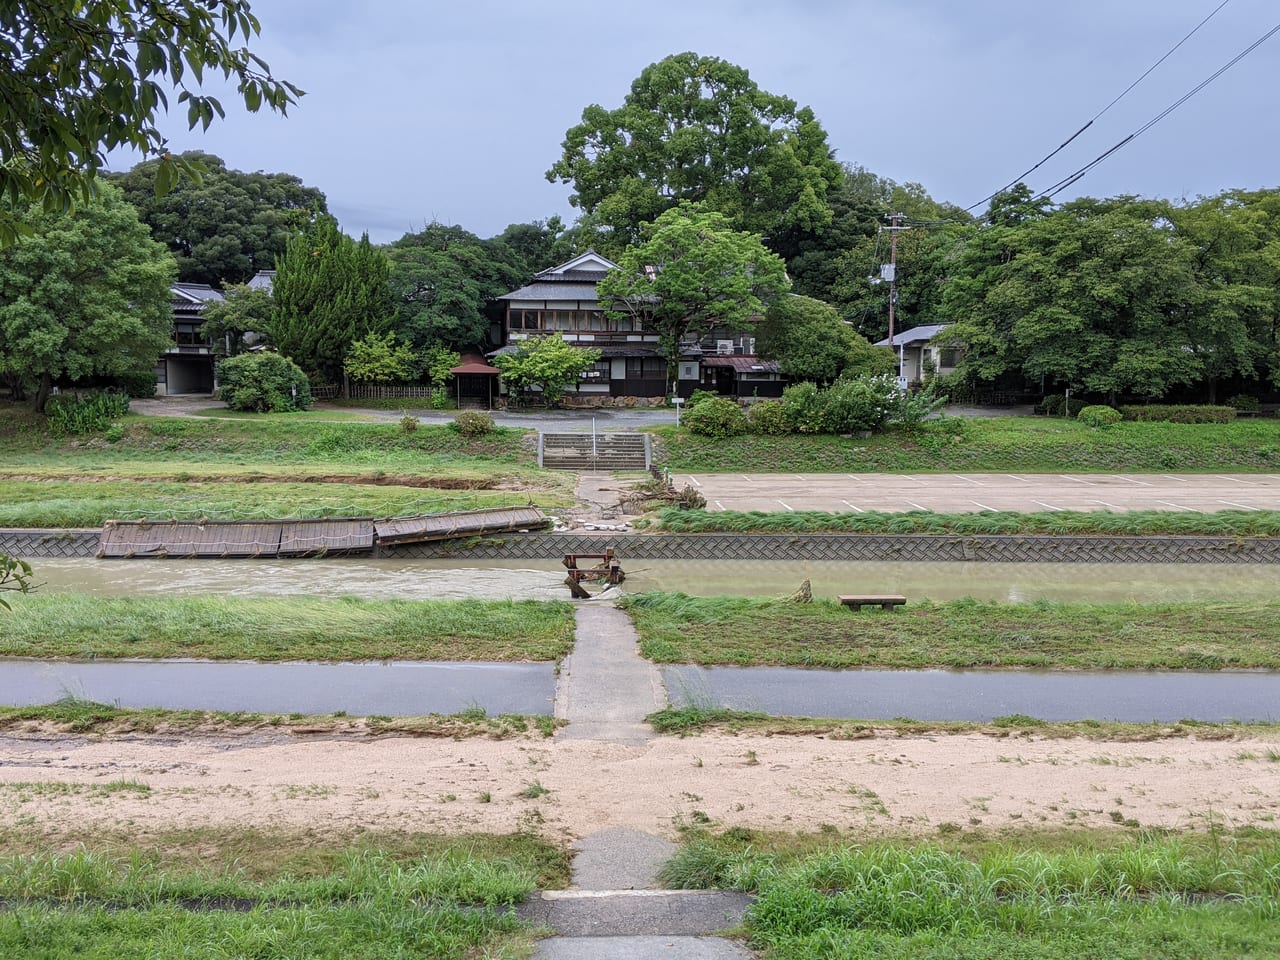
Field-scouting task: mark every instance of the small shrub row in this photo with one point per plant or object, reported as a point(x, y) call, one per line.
point(472, 423)
point(1179, 413)
point(1099, 416)
point(81, 414)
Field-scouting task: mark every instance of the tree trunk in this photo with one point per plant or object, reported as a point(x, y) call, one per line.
point(42, 394)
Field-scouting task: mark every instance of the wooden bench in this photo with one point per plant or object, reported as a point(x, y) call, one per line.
point(885, 601)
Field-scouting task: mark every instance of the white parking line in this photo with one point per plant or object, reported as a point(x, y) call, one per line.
point(792, 509)
point(976, 483)
point(1047, 506)
point(1177, 506)
point(1012, 476)
point(719, 504)
point(1105, 504)
point(1169, 476)
point(746, 478)
point(1247, 483)
point(1087, 483)
point(916, 505)
point(1141, 483)
point(851, 506)
point(854, 476)
point(1242, 506)
point(983, 506)
point(694, 481)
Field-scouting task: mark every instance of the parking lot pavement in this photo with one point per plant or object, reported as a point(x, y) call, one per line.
point(972, 492)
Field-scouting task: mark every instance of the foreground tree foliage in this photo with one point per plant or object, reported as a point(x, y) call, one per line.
point(228, 225)
point(329, 291)
point(692, 273)
point(548, 363)
point(263, 383)
point(85, 297)
point(699, 129)
point(80, 79)
point(811, 342)
point(241, 319)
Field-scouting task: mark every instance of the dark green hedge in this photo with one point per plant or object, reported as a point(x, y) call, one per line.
point(1182, 413)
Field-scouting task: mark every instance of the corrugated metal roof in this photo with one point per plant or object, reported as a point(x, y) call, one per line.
point(233, 538)
point(307, 537)
point(915, 335)
point(741, 364)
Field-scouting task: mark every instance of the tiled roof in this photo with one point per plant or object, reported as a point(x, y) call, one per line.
point(548, 290)
point(742, 364)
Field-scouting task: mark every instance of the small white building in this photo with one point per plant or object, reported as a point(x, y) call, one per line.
point(918, 354)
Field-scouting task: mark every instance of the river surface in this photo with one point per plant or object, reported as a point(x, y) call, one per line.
point(393, 688)
point(541, 579)
point(980, 696)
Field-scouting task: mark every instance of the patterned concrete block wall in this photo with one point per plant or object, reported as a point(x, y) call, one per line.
point(44, 544)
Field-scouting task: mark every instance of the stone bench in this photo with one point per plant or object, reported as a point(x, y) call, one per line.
point(885, 601)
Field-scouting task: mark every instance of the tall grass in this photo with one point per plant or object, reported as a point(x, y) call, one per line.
point(294, 628)
point(676, 628)
point(1227, 523)
point(922, 900)
point(91, 412)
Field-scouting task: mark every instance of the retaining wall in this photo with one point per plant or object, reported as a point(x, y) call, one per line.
point(45, 544)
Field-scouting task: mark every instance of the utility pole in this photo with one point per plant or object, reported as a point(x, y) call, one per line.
point(889, 272)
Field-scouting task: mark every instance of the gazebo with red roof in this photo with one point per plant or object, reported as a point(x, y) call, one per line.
point(475, 382)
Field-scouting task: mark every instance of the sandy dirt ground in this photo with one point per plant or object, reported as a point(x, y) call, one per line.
point(885, 784)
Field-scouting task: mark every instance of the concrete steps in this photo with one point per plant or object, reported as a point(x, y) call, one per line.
point(603, 451)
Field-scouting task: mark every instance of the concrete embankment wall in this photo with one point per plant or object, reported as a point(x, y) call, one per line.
point(45, 544)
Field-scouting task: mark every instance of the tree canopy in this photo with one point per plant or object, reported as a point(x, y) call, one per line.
point(79, 79)
point(242, 318)
point(811, 342)
point(329, 291)
point(692, 273)
point(549, 363)
point(87, 295)
point(228, 225)
point(442, 280)
point(699, 129)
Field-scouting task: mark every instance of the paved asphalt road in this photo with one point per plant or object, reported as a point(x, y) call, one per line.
point(972, 492)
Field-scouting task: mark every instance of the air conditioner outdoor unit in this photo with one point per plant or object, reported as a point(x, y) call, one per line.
point(724, 347)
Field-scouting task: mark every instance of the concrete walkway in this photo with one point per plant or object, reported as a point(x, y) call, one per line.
point(615, 909)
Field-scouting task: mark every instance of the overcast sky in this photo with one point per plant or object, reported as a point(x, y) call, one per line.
point(418, 111)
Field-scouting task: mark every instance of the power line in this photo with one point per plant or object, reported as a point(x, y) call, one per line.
point(1050, 192)
point(1018, 179)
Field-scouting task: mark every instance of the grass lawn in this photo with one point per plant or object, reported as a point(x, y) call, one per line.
point(249, 893)
point(1027, 897)
point(1000, 444)
point(675, 628)
point(263, 466)
point(296, 628)
point(1227, 523)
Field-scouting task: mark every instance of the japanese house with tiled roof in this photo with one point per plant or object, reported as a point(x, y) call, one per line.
point(562, 301)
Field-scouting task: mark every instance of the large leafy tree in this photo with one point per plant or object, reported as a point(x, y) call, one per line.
point(79, 79)
point(1098, 295)
point(86, 296)
point(549, 363)
point(699, 129)
point(443, 281)
point(242, 319)
point(226, 226)
point(811, 342)
point(329, 291)
point(692, 273)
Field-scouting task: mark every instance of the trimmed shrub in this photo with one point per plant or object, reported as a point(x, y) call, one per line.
point(717, 418)
point(864, 403)
point(1053, 405)
point(1244, 403)
point(802, 407)
point(1099, 416)
point(263, 383)
point(1179, 413)
point(768, 417)
point(91, 412)
point(472, 423)
point(698, 396)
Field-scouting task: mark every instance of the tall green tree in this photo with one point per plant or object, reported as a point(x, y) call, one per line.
point(242, 319)
point(444, 281)
point(692, 273)
point(549, 363)
point(79, 79)
point(1098, 295)
point(329, 291)
point(699, 129)
point(811, 342)
point(87, 295)
point(228, 225)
